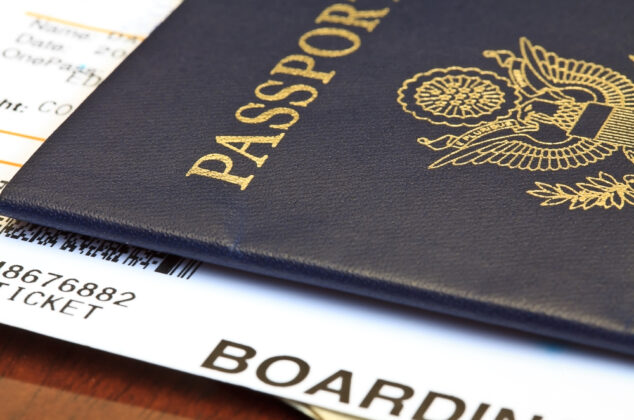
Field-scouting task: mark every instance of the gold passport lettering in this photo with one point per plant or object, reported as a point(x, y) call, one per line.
point(246, 141)
point(286, 92)
point(264, 116)
point(222, 176)
point(298, 95)
point(355, 42)
point(307, 71)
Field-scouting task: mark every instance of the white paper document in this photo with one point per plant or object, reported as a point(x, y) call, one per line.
point(53, 54)
point(304, 344)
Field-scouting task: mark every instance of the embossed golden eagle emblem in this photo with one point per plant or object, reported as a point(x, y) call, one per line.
point(548, 114)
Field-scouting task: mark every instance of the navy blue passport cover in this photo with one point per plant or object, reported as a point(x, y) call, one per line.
point(471, 158)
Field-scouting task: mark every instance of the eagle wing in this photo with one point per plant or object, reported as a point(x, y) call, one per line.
point(572, 77)
point(519, 151)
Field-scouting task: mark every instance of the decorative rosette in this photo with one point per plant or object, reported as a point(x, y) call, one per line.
point(457, 96)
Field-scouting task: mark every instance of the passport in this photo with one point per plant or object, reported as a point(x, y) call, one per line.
point(469, 158)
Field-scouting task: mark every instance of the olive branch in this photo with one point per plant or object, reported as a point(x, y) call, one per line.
point(602, 191)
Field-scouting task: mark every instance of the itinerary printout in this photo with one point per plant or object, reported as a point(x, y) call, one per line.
point(350, 355)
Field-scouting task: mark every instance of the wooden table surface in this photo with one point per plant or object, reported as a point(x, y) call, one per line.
point(44, 378)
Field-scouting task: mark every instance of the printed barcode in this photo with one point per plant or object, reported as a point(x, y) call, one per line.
point(101, 249)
